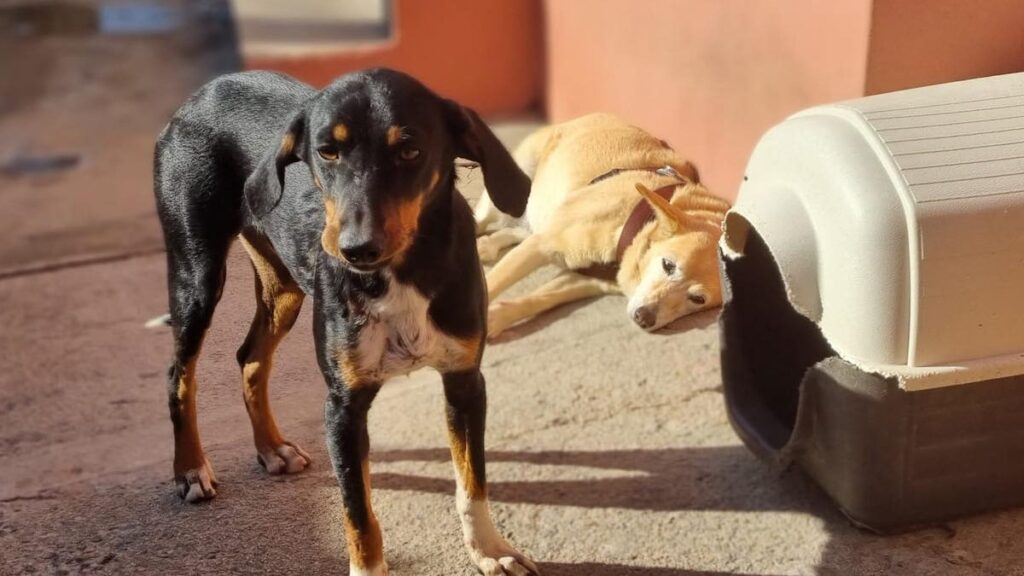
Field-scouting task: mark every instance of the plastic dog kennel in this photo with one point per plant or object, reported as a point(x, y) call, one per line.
point(873, 325)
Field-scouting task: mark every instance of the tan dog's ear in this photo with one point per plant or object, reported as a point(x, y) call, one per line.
point(668, 215)
point(672, 217)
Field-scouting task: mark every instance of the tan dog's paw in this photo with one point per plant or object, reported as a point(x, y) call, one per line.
point(500, 315)
point(504, 560)
point(487, 249)
point(197, 484)
point(286, 458)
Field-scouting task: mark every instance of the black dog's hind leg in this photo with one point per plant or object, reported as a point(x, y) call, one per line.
point(198, 200)
point(278, 301)
point(195, 287)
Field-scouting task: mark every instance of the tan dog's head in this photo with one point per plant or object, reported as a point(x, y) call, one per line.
point(677, 273)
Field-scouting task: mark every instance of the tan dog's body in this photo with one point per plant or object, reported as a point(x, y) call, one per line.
point(575, 224)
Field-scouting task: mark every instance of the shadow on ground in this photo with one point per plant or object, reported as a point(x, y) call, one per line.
point(659, 480)
point(594, 569)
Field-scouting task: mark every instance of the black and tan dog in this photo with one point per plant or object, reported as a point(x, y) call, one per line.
point(371, 227)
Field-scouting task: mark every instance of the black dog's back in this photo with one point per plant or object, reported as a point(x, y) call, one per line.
point(214, 141)
point(202, 159)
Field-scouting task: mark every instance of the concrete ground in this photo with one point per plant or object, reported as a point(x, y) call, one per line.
point(609, 450)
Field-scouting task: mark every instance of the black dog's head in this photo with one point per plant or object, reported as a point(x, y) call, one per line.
point(380, 146)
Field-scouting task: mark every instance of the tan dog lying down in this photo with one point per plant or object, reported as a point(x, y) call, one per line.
point(585, 215)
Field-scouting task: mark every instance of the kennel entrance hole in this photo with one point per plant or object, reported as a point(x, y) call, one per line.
point(767, 346)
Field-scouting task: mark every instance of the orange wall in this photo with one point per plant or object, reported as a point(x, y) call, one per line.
point(708, 77)
point(486, 55)
point(922, 43)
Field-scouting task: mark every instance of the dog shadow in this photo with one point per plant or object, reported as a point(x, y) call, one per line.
point(676, 479)
point(597, 569)
point(725, 478)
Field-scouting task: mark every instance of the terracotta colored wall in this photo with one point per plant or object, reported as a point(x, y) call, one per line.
point(487, 55)
point(922, 43)
point(711, 77)
point(708, 77)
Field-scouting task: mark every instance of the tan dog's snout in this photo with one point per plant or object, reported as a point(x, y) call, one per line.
point(645, 316)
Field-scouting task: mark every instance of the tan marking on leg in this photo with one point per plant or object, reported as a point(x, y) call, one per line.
point(365, 547)
point(188, 449)
point(465, 356)
point(278, 301)
point(340, 132)
point(394, 135)
point(471, 350)
point(464, 466)
point(487, 548)
point(355, 374)
point(332, 229)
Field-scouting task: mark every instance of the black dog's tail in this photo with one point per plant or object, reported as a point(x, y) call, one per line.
point(158, 321)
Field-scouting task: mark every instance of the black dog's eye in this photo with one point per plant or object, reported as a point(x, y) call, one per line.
point(409, 154)
point(668, 266)
point(327, 153)
point(697, 299)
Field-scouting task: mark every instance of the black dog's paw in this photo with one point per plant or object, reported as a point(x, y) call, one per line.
point(197, 484)
point(285, 458)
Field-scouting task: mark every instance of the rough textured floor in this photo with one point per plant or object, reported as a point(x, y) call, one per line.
point(609, 451)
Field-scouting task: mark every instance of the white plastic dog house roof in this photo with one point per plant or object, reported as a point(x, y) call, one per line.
point(897, 222)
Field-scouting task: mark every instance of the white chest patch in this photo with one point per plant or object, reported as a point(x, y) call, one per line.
point(400, 337)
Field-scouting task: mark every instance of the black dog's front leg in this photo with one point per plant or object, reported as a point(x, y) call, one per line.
point(349, 396)
point(349, 445)
point(466, 396)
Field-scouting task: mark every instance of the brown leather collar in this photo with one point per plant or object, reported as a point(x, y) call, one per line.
point(638, 218)
point(641, 215)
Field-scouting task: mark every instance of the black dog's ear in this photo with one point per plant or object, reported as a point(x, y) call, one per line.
point(507, 185)
point(265, 186)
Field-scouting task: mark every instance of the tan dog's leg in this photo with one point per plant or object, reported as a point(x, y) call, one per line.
point(278, 301)
point(564, 288)
point(516, 265)
point(489, 247)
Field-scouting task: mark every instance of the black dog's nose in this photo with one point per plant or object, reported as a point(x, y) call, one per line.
point(644, 317)
point(365, 253)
